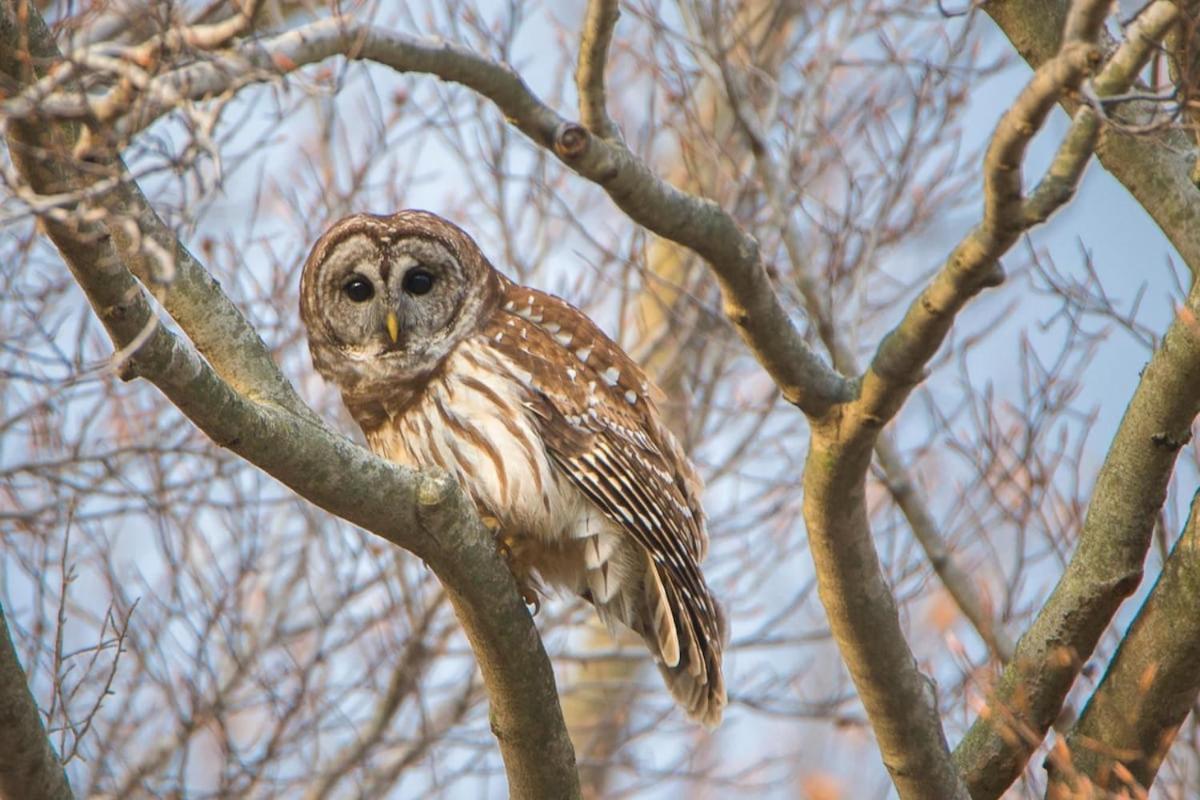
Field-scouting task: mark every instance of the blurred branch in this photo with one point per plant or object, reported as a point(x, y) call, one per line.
point(750, 300)
point(426, 514)
point(408, 667)
point(29, 767)
point(598, 24)
point(1155, 167)
point(1150, 687)
point(958, 582)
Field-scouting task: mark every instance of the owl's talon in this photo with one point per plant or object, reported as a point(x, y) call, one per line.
point(525, 582)
point(529, 595)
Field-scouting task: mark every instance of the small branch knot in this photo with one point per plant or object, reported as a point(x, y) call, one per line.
point(571, 140)
point(1168, 442)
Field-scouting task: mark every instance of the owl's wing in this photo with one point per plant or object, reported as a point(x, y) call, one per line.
point(598, 422)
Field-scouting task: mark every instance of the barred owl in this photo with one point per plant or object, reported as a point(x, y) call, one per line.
point(548, 424)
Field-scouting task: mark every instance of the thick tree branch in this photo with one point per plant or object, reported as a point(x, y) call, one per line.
point(861, 610)
point(1150, 686)
point(900, 701)
point(29, 767)
point(701, 225)
point(424, 513)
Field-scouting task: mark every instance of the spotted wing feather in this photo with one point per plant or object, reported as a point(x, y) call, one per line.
point(598, 421)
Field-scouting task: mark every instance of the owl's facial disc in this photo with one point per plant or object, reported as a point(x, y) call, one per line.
point(396, 300)
point(387, 299)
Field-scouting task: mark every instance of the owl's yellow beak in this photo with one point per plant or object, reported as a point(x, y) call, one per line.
point(393, 326)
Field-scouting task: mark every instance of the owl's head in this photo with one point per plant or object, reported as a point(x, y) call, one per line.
point(386, 298)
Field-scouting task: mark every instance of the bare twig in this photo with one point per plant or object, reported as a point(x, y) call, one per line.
point(598, 23)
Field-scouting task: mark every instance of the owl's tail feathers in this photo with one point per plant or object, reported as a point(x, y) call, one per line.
point(686, 636)
point(684, 632)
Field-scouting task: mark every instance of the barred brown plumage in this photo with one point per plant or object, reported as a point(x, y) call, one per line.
point(549, 425)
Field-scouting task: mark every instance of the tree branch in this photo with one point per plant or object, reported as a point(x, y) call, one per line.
point(598, 24)
point(861, 609)
point(1106, 567)
point(425, 513)
point(899, 699)
point(1156, 168)
point(29, 767)
point(954, 578)
point(899, 364)
point(1150, 686)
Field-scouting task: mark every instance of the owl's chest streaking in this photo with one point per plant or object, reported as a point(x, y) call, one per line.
point(472, 419)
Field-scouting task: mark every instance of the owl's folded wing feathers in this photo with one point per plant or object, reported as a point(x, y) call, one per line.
point(593, 408)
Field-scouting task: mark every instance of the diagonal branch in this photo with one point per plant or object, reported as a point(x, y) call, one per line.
point(1106, 567)
point(1150, 686)
point(29, 767)
point(862, 611)
point(899, 364)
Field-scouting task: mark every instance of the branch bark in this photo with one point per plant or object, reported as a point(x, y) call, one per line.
point(899, 699)
point(1124, 733)
point(250, 410)
point(599, 21)
point(896, 477)
point(1106, 567)
point(29, 767)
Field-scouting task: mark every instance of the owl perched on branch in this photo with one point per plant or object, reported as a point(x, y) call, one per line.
point(544, 420)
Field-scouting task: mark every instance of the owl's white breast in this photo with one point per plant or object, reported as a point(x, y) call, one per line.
point(472, 422)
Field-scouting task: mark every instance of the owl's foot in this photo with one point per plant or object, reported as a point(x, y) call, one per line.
point(506, 546)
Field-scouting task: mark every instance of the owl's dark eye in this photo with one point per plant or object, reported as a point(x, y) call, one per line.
point(359, 290)
point(418, 281)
